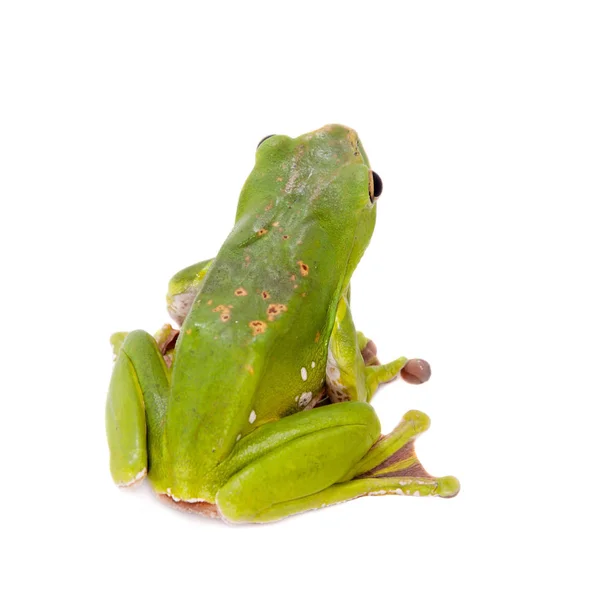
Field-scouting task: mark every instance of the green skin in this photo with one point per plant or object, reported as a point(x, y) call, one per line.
point(221, 423)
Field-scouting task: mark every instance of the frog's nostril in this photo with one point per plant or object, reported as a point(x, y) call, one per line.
point(265, 138)
point(375, 186)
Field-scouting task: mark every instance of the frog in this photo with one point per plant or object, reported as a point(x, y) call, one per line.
point(259, 407)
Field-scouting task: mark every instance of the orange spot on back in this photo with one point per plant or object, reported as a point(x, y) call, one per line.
point(240, 292)
point(317, 337)
point(249, 369)
point(265, 295)
point(275, 309)
point(209, 302)
point(224, 310)
point(188, 331)
point(261, 232)
point(303, 268)
point(285, 237)
point(257, 327)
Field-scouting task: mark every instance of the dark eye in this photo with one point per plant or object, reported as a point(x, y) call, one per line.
point(375, 186)
point(265, 138)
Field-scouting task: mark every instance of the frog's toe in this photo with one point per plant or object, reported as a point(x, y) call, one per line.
point(448, 487)
point(416, 371)
point(369, 354)
point(116, 341)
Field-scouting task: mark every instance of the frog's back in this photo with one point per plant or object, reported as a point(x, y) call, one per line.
point(254, 344)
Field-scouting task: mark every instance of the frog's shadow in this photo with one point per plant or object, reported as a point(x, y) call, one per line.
point(203, 521)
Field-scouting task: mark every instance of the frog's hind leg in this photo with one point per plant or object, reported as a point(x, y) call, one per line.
point(135, 408)
point(325, 456)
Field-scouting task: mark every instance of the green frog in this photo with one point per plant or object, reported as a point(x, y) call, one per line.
point(259, 407)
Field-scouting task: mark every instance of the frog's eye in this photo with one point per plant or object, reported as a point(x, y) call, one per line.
point(265, 138)
point(375, 186)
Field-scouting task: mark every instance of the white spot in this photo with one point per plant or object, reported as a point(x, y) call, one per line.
point(377, 493)
point(305, 399)
point(303, 374)
point(313, 364)
point(252, 417)
point(416, 493)
point(399, 492)
point(239, 437)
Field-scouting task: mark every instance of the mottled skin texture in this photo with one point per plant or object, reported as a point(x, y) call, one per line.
point(268, 334)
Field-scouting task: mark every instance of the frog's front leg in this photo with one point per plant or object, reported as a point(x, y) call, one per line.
point(353, 370)
point(321, 457)
point(183, 288)
point(135, 408)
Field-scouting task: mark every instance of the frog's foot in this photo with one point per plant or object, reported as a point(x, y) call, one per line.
point(394, 457)
point(391, 467)
point(116, 341)
point(206, 509)
point(368, 349)
point(166, 337)
point(414, 371)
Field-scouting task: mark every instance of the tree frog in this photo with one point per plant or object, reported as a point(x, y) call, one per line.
point(259, 408)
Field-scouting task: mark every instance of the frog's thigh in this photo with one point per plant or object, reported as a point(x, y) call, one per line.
point(390, 466)
point(135, 408)
point(301, 466)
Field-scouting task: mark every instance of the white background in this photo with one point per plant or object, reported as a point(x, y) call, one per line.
point(126, 132)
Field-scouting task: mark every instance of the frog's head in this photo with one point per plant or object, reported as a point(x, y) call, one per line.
point(322, 180)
